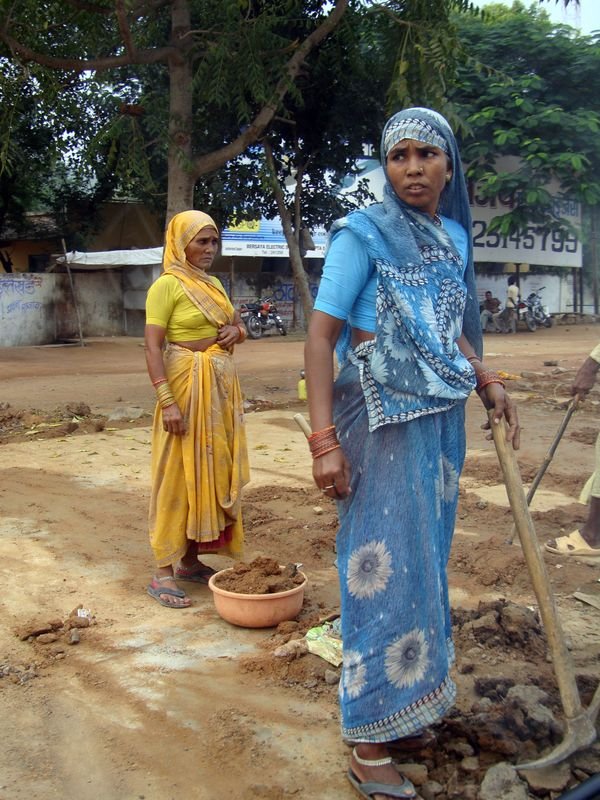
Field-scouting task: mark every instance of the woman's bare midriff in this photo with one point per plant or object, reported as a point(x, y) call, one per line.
point(359, 336)
point(198, 345)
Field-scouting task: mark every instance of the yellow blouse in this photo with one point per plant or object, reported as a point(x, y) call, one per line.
point(168, 305)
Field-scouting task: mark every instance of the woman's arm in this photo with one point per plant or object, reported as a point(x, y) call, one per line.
point(154, 338)
point(330, 469)
point(493, 395)
point(232, 334)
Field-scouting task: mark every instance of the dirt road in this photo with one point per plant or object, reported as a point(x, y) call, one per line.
point(157, 704)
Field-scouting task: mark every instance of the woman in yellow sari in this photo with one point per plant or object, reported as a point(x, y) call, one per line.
point(199, 457)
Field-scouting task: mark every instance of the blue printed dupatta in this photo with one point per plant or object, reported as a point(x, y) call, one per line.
point(415, 367)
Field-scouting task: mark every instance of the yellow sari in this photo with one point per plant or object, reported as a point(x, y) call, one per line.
point(197, 478)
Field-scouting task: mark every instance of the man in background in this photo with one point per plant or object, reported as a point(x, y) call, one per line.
point(489, 312)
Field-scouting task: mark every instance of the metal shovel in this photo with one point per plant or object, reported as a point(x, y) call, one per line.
point(580, 722)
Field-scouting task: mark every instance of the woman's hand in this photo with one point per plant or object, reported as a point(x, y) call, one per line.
point(331, 472)
point(173, 421)
point(228, 335)
point(493, 396)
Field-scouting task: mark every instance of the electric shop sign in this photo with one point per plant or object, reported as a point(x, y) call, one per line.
point(551, 249)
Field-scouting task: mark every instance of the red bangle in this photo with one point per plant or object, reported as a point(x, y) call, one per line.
point(158, 381)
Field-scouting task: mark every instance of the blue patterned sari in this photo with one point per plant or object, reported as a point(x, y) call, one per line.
point(399, 412)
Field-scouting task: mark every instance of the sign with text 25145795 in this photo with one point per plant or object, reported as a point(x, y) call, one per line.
point(532, 246)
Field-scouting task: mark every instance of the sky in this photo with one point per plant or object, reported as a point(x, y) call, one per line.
point(586, 17)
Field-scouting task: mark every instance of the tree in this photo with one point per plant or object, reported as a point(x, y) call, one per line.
point(345, 92)
point(530, 91)
point(231, 58)
point(532, 94)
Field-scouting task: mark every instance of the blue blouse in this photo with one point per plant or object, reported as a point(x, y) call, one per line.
point(349, 282)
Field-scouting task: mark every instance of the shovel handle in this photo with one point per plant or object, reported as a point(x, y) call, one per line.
point(561, 658)
point(300, 420)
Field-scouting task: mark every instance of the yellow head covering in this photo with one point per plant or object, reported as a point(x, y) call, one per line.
point(205, 292)
point(180, 231)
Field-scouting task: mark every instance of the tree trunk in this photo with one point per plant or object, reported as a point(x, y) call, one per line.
point(292, 237)
point(181, 180)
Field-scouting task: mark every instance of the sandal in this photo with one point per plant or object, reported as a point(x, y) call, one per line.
point(368, 789)
point(200, 575)
point(572, 545)
point(155, 590)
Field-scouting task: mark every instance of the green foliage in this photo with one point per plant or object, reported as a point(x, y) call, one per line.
point(535, 98)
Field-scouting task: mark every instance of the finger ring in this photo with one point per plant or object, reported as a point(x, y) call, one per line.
point(332, 486)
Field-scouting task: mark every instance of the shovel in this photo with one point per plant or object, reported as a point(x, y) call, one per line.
point(580, 722)
point(549, 456)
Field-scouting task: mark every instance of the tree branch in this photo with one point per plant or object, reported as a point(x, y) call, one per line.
point(212, 161)
point(161, 54)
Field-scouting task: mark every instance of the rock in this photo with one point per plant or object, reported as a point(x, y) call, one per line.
point(501, 782)
point(126, 412)
point(331, 677)
point(317, 510)
point(548, 779)
point(482, 706)
point(295, 648)
point(550, 363)
point(77, 622)
point(528, 375)
point(485, 626)
point(539, 719)
point(588, 761)
point(469, 764)
point(79, 409)
point(494, 736)
point(416, 773)
point(466, 667)
point(74, 636)
point(38, 628)
point(494, 688)
point(430, 790)
point(462, 749)
point(47, 638)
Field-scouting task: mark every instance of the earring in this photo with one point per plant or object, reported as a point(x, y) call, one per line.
point(448, 178)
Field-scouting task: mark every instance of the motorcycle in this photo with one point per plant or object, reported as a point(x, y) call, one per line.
point(260, 317)
point(533, 312)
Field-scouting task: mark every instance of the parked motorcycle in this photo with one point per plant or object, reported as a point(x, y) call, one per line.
point(533, 312)
point(260, 317)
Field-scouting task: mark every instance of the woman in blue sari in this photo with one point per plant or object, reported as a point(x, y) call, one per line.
point(397, 303)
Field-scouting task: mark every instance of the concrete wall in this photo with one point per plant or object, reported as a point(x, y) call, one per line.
point(38, 308)
point(27, 309)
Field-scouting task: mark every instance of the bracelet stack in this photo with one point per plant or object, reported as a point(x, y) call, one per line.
point(243, 332)
point(486, 377)
point(324, 441)
point(164, 394)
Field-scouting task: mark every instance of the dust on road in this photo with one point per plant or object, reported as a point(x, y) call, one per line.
point(161, 703)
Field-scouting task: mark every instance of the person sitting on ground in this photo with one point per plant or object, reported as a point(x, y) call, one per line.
point(585, 541)
point(199, 458)
point(489, 312)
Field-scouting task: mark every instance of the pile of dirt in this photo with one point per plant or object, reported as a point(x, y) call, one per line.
point(260, 576)
point(508, 720)
point(67, 419)
point(71, 418)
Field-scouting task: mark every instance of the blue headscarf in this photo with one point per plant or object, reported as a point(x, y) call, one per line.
point(425, 294)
